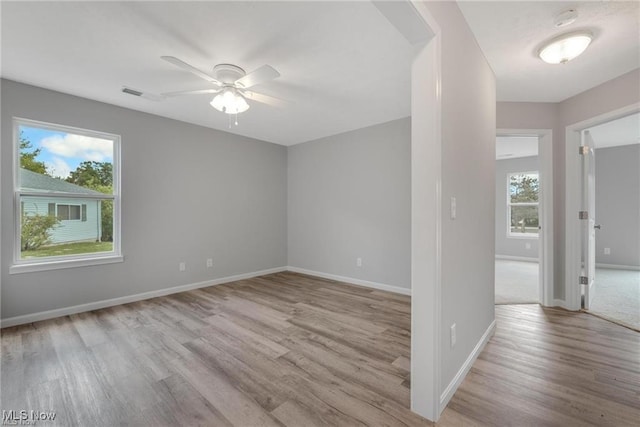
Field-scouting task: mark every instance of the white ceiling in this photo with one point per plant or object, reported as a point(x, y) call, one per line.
point(512, 147)
point(510, 33)
point(623, 131)
point(343, 66)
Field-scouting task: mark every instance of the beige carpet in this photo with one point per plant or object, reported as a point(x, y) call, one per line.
point(617, 296)
point(516, 282)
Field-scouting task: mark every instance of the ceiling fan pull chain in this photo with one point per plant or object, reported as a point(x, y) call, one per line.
point(236, 119)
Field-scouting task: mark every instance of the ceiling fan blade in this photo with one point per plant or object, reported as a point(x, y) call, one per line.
point(193, 70)
point(265, 99)
point(261, 75)
point(141, 94)
point(190, 92)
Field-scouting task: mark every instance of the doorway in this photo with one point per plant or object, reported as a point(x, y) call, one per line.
point(611, 226)
point(574, 228)
point(524, 221)
point(517, 257)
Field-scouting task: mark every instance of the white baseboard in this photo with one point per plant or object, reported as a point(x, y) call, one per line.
point(466, 367)
point(517, 258)
point(65, 311)
point(559, 303)
point(365, 283)
point(618, 267)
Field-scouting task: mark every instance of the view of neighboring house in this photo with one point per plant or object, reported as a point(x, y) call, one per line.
point(79, 217)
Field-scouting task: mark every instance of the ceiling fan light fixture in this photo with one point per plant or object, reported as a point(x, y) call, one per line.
point(564, 48)
point(229, 101)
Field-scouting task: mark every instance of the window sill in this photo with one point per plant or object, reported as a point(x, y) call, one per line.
point(523, 236)
point(60, 264)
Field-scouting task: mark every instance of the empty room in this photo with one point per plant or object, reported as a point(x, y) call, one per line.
point(298, 213)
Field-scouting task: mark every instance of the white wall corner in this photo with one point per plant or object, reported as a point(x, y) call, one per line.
point(448, 393)
point(560, 303)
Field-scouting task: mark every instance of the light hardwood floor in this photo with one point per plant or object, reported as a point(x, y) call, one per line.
point(551, 367)
point(280, 349)
point(289, 349)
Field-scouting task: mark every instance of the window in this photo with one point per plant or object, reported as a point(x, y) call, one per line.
point(522, 204)
point(71, 212)
point(66, 196)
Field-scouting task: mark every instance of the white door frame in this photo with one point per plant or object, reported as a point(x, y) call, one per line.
point(573, 188)
point(545, 212)
point(415, 22)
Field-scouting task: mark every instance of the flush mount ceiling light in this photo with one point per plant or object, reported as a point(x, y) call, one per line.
point(565, 47)
point(230, 101)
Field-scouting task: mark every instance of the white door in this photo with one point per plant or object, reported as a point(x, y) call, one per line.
point(588, 220)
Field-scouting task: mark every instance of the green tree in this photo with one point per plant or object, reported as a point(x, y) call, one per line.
point(524, 188)
point(28, 158)
point(36, 231)
point(97, 176)
point(92, 175)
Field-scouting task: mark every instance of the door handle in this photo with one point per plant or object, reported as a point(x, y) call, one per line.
point(597, 226)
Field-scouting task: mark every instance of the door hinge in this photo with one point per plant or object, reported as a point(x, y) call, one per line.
point(584, 280)
point(583, 149)
point(583, 215)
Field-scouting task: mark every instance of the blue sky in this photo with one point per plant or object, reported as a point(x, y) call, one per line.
point(62, 152)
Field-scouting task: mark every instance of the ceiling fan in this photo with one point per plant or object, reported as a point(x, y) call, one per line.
point(230, 86)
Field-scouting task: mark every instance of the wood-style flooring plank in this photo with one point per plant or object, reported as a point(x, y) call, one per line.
point(294, 350)
point(548, 366)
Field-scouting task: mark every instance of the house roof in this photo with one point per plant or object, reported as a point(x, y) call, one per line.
point(37, 182)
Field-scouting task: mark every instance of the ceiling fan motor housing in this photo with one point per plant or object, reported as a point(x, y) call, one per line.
point(228, 73)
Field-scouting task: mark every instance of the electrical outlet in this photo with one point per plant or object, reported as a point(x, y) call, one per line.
point(607, 251)
point(453, 335)
point(182, 266)
point(358, 262)
point(209, 262)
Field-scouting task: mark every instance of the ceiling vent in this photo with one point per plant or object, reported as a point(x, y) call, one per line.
point(131, 91)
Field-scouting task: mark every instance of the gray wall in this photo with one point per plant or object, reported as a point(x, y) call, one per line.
point(349, 197)
point(468, 173)
point(188, 193)
point(609, 96)
point(618, 205)
point(512, 246)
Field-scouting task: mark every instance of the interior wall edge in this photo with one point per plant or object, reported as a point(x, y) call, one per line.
point(466, 366)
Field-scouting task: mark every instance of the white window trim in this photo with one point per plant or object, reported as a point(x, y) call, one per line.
point(510, 234)
point(83, 260)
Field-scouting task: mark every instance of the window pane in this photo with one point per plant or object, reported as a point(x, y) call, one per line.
point(63, 212)
point(523, 188)
point(64, 162)
point(45, 235)
point(524, 219)
point(74, 212)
